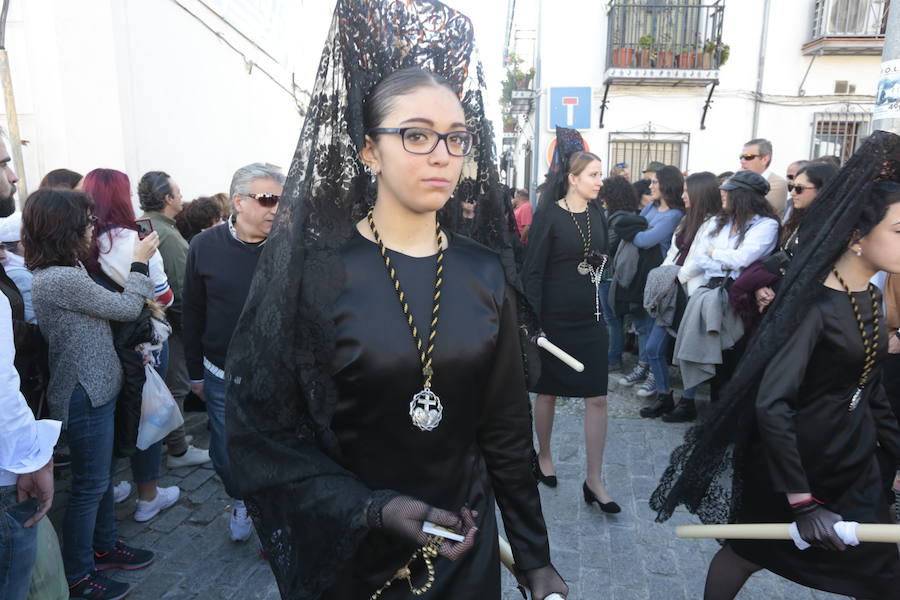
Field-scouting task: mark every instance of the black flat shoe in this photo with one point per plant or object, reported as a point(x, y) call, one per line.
point(590, 497)
point(548, 480)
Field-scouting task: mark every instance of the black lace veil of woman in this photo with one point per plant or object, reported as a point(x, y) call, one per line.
point(308, 510)
point(702, 471)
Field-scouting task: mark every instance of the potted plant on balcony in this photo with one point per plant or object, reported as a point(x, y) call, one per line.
point(707, 59)
point(645, 42)
point(665, 58)
point(622, 56)
point(687, 56)
point(509, 124)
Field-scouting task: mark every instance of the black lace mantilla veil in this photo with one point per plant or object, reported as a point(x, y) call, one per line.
point(701, 472)
point(285, 459)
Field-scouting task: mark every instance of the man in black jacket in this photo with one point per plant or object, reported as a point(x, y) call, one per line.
point(220, 266)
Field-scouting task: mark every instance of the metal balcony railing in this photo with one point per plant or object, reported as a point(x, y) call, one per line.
point(683, 35)
point(849, 18)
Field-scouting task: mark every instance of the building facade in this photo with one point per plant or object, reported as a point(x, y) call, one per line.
point(687, 82)
point(196, 88)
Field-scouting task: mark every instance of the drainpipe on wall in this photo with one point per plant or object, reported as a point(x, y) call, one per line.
point(536, 143)
point(15, 139)
point(761, 67)
point(891, 52)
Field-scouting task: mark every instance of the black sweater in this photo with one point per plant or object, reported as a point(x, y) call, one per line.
point(217, 279)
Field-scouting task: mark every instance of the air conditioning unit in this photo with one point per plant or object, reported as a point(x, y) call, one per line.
point(844, 87)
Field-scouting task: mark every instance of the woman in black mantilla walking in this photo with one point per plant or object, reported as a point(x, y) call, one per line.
point(378, 382)
point(564, 265)
point(805, 421)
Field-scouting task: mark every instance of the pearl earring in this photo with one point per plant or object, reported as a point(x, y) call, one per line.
point(859, 252)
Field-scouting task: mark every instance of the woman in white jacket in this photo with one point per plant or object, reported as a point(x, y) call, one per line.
point(702, 200)
point(111, 247)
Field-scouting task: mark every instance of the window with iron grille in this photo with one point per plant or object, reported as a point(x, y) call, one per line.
point(639, 149)
point(838, 133)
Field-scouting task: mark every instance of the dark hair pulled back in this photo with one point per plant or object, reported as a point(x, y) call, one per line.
point(153, 189)
point(399, 83)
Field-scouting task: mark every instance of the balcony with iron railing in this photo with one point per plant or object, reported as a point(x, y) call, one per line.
point(657, 43)
point(849, 27)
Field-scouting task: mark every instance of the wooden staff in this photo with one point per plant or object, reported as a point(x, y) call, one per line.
point(559, 353)
point(874, 532)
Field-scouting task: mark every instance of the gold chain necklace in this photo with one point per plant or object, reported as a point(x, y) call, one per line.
point(870, 343)
point(425, 409)
point(584, 268)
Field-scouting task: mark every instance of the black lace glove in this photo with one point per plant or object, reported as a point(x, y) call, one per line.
point(402, 516)
point(816, 525)
point(544, 581)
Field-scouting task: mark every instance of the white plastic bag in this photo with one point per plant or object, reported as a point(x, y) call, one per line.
point(159, 413)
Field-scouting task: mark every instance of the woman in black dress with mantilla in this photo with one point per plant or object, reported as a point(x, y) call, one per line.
point(804, 426)
point(376, 385)
point(563, 267)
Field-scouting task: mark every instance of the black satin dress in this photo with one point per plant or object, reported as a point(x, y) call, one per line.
point(566, 301)
point(482, 448)
point(810, 441)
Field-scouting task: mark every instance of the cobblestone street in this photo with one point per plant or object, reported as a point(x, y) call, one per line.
point(618, 557)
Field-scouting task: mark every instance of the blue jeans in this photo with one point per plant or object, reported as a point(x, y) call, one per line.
point(90, 522)
point(643, 323)
point(214, 393)
point(145, 463)
point(18, 545)
point(613, 324)
point(656, 350)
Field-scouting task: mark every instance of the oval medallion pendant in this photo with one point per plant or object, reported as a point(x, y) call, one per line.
point(584, 268)
point(426, 410)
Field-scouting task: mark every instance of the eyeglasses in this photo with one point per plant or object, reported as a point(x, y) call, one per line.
point(265, 200)
point(749, 156)
point(422, 140)
point(799, 188)
point(92, 220)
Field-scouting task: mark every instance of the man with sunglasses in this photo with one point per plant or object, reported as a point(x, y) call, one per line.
point(220, 266)
point(757, 157)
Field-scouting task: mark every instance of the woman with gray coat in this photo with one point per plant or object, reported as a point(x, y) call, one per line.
point(86, 375)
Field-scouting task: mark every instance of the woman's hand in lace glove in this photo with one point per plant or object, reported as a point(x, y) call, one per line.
point(403, 516)
point(544, 581)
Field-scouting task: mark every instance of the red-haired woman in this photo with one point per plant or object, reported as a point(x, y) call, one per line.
point(110, 255)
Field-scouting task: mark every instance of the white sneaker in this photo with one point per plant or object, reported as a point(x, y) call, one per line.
point(241, 525)
point(648, 388)
point(165, 497)
point(121, 491)
point(191, 458)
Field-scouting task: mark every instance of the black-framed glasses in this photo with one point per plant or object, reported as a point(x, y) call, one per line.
point(92, 220)
point(265, 200)
point(748, 156)
point(422, 140)
point(799, 188)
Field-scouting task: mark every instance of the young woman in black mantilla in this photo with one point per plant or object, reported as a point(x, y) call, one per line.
point(378, 382)
point(563, 268)
point(804, 443)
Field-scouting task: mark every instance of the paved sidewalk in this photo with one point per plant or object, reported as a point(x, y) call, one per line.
point(622, 557)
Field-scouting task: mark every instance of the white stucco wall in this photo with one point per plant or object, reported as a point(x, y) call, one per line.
point(141, 85)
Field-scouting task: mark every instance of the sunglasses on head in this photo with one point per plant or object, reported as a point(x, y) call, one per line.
point(749, 156)
point(799, 188)
point(265, 200)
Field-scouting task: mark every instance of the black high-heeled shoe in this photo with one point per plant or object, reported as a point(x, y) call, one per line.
point(548, 480)
point(590, 497)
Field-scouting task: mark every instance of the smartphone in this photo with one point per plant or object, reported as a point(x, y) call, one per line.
point(144, 227)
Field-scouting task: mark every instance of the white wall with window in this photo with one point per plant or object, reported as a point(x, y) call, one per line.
point(809, 105)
